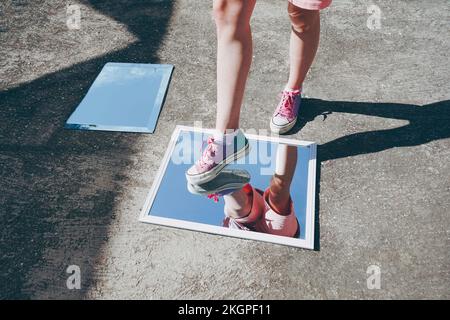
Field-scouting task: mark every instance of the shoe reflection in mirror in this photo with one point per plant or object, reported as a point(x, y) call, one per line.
point(228, 180)
point(221, 150)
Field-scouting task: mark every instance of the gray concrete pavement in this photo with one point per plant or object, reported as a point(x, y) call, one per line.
point(70, 197)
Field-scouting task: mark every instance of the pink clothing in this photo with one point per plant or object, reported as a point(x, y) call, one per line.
point(278, 224)
point(311, 4)
point(262, 218)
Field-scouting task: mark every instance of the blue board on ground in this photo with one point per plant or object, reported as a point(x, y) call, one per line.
point(124, 97)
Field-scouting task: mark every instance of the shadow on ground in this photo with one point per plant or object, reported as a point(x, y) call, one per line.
point(60, 185)
point(425, 124)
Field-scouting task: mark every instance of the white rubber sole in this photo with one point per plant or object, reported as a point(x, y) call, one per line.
point(282, 129)
point(214, 172)
point(228, 186)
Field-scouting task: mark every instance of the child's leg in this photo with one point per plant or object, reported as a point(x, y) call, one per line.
point(237, 204)
point(244, 208)
point(302, 50)
point(234, 56)
point(303, 44)
point(279, 190)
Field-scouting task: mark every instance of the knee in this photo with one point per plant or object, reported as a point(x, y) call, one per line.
point(232, 14)
point(302, 20)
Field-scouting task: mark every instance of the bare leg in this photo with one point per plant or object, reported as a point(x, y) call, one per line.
point(237, 204)
point(234, 57)
point(303, 44)
point(279, 191)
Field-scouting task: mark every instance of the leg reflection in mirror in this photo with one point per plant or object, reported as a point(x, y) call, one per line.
point(269, 212)
point(279, 216)
point(244, 208)
point(279, 190)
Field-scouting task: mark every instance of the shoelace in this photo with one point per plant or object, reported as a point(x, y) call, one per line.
point(214, 196)
point(286, 105)
point(207, 157)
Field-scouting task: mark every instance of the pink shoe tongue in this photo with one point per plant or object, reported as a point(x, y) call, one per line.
point(206, 161)
point(287, 104)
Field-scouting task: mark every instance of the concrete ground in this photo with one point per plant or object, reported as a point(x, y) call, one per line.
point(378, 108)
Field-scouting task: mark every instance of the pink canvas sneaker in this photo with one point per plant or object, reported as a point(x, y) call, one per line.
point(285, 115)
point(217, 155)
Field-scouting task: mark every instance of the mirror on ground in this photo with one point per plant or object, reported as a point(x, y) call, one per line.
point(124, 97)
point(266, 191)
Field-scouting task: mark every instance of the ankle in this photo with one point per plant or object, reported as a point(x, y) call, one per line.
point(279, 195)
point(290, 87)
point(279, 203)
point(244, 207)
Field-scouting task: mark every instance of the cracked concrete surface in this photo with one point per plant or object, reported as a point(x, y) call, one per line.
point(70, 197)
